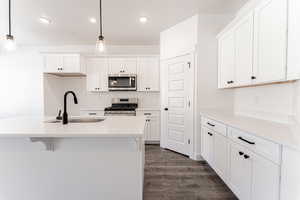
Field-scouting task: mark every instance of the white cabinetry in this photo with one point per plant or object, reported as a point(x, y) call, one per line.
point(97, 71)
point(152, 132)
point(270, 41)
point(61, 64)
point(235, 54)
point(252, 177)
point(240, 172)
point(122, 65)
point(226, 60)
point(244, 51)
point(256, 45)
point(92, 113)
point(293, 70)
point(248, 164)
point(290, 181)
point(207, 145)
point(221, 152)
point(214, 146)
point(148, 74)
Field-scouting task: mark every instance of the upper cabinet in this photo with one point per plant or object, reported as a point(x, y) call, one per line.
point(122, 65)
point(270, 43)
point(64, 64)
point(260, 42)
point(293, 71)
point(226, 60)
point(244, 51)
point(148, 74)
point(97, 74)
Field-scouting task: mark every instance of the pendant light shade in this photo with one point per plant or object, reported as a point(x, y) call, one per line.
point(10, 43)
point(100, 44)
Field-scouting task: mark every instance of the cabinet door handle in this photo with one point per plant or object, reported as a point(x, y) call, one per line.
point(209, 133)
point(211, 124)
point(247, 141)
point(230, 82)
point(253, 77)
point(166, 109)
point(241, 153)
point(246, 156)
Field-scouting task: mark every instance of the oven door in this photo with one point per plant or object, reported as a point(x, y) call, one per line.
point(122, 83)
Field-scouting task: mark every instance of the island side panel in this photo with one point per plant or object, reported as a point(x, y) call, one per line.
point(78, 168)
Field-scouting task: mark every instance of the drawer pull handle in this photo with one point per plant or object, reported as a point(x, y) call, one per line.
point(209, 133)
point(147, 113)
point(92, 113)
point(211, 124)
point(246, 156)
point(241, 153)
point(240, 138)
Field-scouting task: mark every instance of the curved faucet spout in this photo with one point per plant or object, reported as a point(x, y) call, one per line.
point(65, 114)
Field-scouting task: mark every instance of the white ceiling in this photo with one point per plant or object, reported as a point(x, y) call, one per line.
point(121, 26)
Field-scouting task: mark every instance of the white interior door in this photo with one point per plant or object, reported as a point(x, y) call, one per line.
point(177, 102)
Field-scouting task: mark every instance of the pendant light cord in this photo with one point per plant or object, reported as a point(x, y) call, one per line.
point(100, 3)
point(9, 16)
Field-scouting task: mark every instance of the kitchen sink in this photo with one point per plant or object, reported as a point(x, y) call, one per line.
point(79, 120)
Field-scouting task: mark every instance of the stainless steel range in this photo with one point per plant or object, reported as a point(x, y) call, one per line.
point(122, 107)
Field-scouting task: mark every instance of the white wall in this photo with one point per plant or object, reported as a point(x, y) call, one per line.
point(208, 94)
point(21, 83)
point(21, 77)
point(179, 39)
point(279, 103)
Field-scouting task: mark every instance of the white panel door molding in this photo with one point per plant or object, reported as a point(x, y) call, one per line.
point(177, 118)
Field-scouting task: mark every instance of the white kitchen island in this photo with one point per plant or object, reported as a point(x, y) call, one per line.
point(78, 161)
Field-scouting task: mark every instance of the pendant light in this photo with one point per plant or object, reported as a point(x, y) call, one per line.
point(10, 43)
point(100, 45)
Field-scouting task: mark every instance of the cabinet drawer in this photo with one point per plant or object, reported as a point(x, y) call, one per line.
point(91, 113)
point(213, 125)
point(148, 114)
point(260, 146)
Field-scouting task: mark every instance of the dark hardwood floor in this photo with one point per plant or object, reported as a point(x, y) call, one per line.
point(172, 176)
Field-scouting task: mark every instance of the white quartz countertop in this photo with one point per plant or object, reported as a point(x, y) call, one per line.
point(115, 126)
point(284, 134)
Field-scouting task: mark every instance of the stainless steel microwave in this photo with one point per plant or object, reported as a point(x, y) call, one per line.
point(122, 82)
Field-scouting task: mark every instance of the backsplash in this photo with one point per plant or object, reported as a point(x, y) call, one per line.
point(279, 102)
point(57, 86)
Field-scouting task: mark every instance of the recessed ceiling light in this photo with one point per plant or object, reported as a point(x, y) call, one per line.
point(143, 20)
point(93, 20)
point(44, 20)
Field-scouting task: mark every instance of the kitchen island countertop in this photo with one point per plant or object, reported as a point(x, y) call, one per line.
point(112, 126)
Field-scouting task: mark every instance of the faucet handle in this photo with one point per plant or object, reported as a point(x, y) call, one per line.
point(59, 117)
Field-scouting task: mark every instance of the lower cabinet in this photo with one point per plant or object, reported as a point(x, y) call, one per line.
point(221, 152)
point(152, 129)
point(215, 151)
point(249, 174)
point(253, 177)
point(207, 146)
point(240, 172)
point(290, 184)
